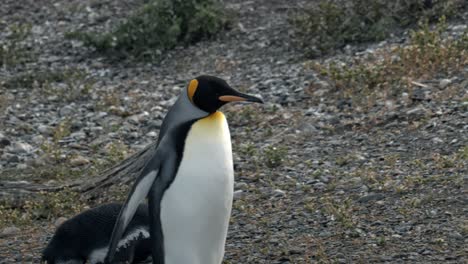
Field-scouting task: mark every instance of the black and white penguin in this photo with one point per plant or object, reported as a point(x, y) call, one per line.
point(189, 180)
point(85, 238)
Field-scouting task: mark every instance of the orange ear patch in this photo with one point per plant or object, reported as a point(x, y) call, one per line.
point(192, 88)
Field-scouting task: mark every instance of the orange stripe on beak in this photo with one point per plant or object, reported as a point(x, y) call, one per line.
point(231, 98)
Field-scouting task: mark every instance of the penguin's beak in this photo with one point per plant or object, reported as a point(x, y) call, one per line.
point(238, 97)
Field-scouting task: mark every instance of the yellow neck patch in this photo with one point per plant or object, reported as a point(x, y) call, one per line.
point(212, 121)
point(192, 88)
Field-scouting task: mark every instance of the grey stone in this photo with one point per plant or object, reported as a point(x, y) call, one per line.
point(21, 166)
point(240, 185)
point(152, 134)
point(78, 135)
point(279, 193)
point(371, 197)
point(238, 194)
point(10, 158)
point(9, 231)
point(19, 147)
point(67, 110)
point(45, 129)
point(79, 161)
point(444, 83)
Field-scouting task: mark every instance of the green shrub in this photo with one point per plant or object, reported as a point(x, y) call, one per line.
point(159, 25)
point(332, 24)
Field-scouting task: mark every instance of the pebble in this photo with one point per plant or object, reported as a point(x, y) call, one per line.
point(38, 139)
point(79, 161)
point(240, 185)
point(152, 134)
point(78, 135)
point(10, 158)
point(21, 166)
point(371, 197)
point(67, 110)
point(19, 147)
point(45, 129)
point(444, 83)
point(9, 231)
point(4, 142)
point(239, 194)
point(320, 185)
point(416, 113)
point(279, 193)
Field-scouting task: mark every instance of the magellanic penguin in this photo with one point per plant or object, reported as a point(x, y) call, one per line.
point(85, 238)
point(189, 179)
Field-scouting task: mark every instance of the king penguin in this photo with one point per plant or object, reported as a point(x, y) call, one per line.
point(189, 180)
point(85, 238)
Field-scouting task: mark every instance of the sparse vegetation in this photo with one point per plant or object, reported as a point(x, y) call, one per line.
point(391, 72)
point(52, 148)
point(274, 156)
point(341, 212)
point(49, 206)
point(159, 25)
point(338, 166)
point(329, 25)
point(68, 84)
point(116, 151)
point(12, 49)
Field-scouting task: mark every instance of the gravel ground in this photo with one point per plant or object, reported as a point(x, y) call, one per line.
point(318, 179)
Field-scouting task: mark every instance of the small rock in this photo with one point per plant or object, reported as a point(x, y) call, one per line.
point(417, 112)
point(240, 185)
point(155, 124)
point(363, 189)
point(10, 158)
point(19, 147)
point(152, 134)
point(52, 98)
point(238, 194)
point(134, 119)
point(45, 129)
point(324, 179)
point(21, 166)
point(444, 83)
point(279, 193)
point(320, 185)
point(421, 95)
point(38, 139)
point(79, 161)
point(456, 235)
point(78, 135)
point(9, 231)
point(60, 221)
point(66, 110)
point(4, 142)
point(371, 197)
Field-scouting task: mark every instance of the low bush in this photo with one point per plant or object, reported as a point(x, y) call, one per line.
point(159, 25)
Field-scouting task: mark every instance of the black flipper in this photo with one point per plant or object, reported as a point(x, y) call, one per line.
point(138, 193)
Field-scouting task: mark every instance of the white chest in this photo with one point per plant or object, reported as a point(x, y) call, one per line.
point(195, 209)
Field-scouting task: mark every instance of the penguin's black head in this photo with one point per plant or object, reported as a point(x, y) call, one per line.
point(209, 93)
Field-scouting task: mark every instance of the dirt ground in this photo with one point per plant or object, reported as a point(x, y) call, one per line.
point(319, 179)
